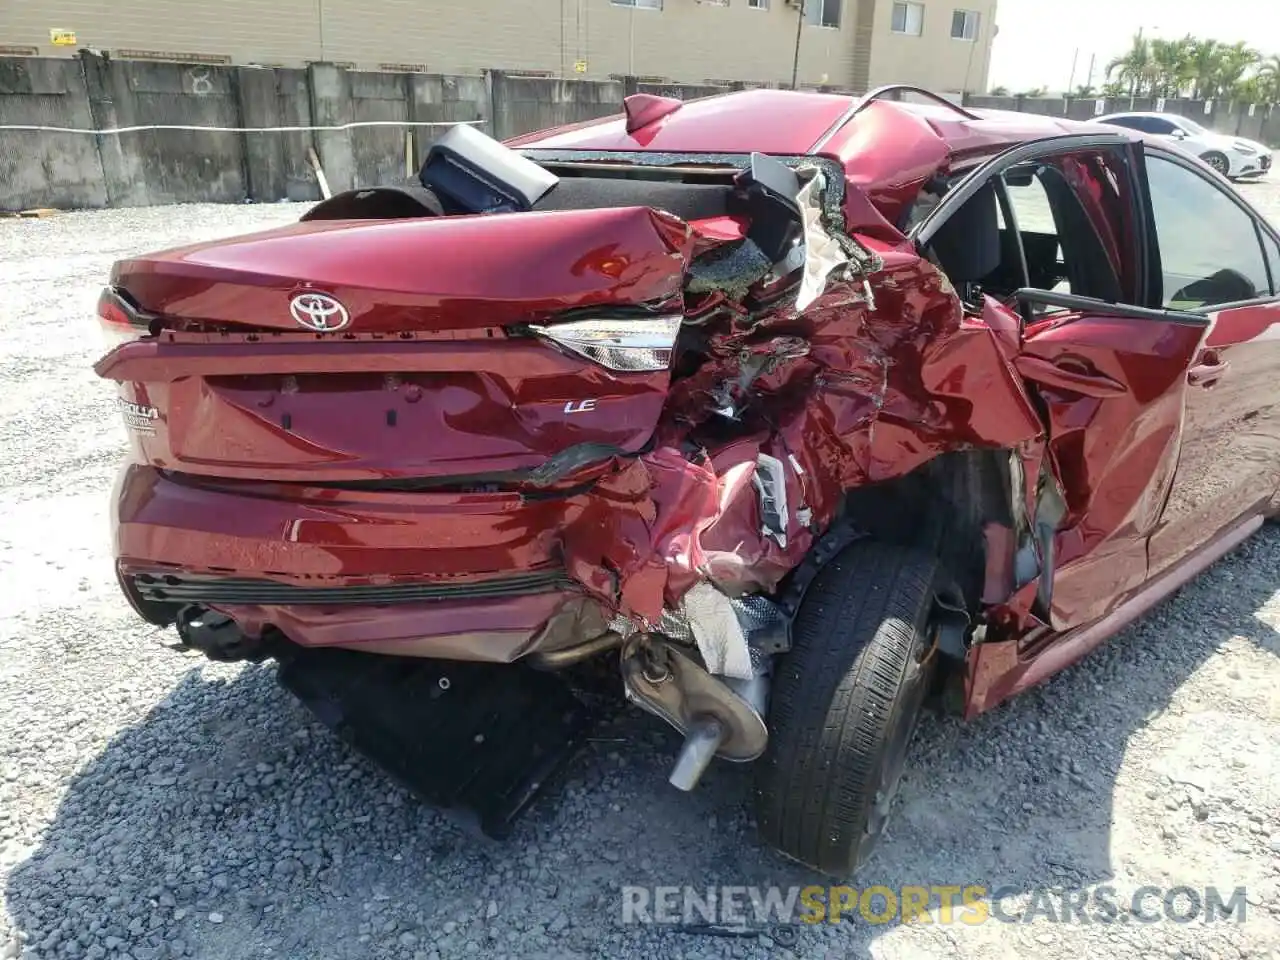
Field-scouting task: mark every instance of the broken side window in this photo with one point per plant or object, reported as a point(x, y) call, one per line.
point(1074, 228)
point(1035, 227)
point(1059, 223)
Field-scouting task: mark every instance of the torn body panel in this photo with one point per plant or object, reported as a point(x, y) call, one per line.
point(813, 364)
point(882, 373)
point(1114, 396)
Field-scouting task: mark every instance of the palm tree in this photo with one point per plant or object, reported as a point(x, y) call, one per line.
point(1251, 90)
point(1206, 58)
point(1084, 92)
point(1269, 79)
point(1171, 65)
point(1134, 68)
point(1237, 60)
point(1205, 69)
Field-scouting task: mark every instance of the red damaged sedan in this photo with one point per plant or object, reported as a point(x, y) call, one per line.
point(771, 413)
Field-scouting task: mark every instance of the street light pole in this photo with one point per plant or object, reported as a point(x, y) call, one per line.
point(795, 62)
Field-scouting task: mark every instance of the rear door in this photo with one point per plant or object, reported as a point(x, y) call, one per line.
point(1213, 262)
point(1110, 372)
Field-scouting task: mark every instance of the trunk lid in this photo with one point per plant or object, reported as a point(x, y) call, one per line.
point(396, 350)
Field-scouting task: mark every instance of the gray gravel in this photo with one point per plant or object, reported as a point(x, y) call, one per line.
point(153, 805)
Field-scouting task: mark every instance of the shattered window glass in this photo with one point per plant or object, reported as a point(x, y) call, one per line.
point(1040, 243)
point(1209, 247)
point(1069, 225)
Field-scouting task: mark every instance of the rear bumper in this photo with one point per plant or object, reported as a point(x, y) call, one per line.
point(454, 576)
point(221, 591)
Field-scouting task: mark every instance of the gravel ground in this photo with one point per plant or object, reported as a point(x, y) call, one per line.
point(153, 805)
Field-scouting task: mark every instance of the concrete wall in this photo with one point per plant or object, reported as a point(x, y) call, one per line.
point(41, 168)
point(172, 166)
point(162, 166)
point(1255, 121)
point(169, 166)
point(523, 103)
point(276, 164)
point(37, 169)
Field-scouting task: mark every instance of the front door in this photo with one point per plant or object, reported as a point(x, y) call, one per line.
point(1110, 371)
point(1213, 261)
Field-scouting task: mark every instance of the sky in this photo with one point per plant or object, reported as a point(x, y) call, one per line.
point(1038, 39)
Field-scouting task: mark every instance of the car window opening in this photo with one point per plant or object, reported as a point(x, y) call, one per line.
point(1054, 224)
point(1210, 248)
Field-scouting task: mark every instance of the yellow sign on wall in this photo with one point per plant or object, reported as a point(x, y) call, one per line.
point(580, 66)
point(62, 38)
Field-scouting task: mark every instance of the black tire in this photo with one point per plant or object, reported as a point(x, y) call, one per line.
point(844, 704)
point(1218, 161)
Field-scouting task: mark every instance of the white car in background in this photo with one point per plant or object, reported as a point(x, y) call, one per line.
point(1232, 157)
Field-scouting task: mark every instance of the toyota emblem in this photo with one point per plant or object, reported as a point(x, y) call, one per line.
point(319, 312)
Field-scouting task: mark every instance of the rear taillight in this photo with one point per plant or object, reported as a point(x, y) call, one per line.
point(619, 344)
point(119, 321)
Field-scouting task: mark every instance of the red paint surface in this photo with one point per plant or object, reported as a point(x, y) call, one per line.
point(368, 410)
point(1114, 393)
point(998, 671)
point(768, 121)
point(417, 276)
point(873, 395)
point(855, 393)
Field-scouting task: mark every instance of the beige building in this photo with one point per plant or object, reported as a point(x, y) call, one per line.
point(850, 44)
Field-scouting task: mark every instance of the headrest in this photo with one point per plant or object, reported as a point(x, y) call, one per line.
point(968, 244)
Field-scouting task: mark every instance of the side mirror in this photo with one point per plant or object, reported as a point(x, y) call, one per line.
point(1179, 133)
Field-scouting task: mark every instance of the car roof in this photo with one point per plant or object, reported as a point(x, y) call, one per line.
point(784, 122)
point(991, 131)
point(768, 121)
point(883, 144)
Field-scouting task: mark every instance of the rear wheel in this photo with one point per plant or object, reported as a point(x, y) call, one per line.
point(1218, 161)
point(844, 705)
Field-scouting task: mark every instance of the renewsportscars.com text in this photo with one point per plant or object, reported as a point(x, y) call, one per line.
point(969, 905)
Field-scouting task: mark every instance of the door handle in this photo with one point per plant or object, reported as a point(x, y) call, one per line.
point(1207, 374)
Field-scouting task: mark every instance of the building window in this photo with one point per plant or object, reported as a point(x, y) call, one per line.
point(758, 4)
point(908, 18)
point(822, 13)
point(639, 4)
point(964, 25)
